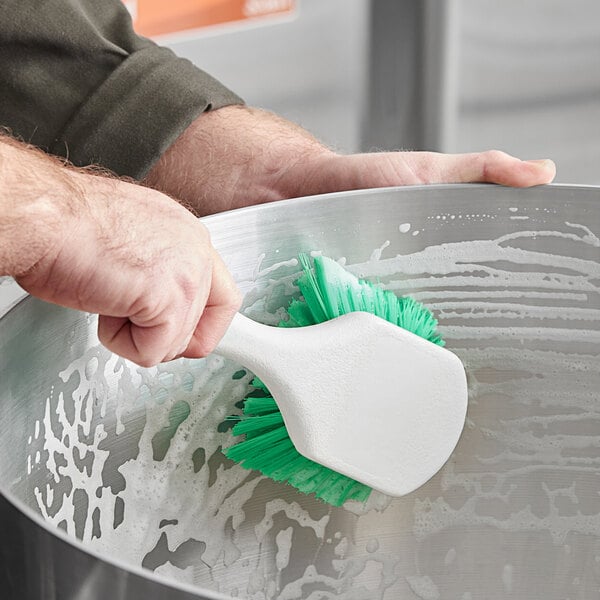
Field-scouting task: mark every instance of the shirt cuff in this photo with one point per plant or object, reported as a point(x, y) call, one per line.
point(139, 111)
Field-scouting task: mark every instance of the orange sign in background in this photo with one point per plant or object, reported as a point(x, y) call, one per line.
point(158, 17)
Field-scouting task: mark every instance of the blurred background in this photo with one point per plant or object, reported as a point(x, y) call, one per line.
point(522, 76)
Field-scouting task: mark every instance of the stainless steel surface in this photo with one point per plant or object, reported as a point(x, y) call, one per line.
point(106, 467)
point(37, 563)
point(10, 293)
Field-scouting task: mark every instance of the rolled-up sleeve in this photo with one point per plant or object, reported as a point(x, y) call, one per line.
point(77, 81)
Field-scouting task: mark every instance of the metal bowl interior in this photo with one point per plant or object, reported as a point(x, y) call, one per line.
point(127, 461)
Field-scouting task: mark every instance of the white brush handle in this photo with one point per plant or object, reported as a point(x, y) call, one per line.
point(250, 343)
point(359, 395)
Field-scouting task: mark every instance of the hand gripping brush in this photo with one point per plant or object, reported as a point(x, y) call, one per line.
point(354, 392)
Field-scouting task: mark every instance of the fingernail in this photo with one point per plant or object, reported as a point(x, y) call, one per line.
point(542, 162)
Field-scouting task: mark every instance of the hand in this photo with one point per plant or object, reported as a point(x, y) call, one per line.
point(146, 266)
point(238, 156)
point(134, 256)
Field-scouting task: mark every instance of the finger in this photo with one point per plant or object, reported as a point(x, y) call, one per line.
point(152, 335)
point(413, 168)
point(486, 167)
point(144, 345)
point(197, 304)
point(223, 302)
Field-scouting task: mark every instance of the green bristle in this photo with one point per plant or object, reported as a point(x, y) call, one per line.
point(300, 315)
point(329, 288)
point(328, 291)
point(258, 424)
point(259, 406)
point(253, 448)
point(259, 385)
point(313, 297)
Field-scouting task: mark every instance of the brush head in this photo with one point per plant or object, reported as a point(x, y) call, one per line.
point(391, 385)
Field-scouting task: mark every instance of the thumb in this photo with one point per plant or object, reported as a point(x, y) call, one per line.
point(224, 300)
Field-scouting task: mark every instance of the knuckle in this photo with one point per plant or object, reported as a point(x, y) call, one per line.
point(495, 155)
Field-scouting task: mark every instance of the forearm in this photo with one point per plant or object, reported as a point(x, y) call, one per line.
point(36, 198)
point(237, 156)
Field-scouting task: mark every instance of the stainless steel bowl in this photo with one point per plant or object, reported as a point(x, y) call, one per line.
point(111, 476)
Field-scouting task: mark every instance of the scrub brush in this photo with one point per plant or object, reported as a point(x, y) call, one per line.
point(328, 291)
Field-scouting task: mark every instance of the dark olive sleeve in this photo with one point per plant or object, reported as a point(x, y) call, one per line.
point(77, 81)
